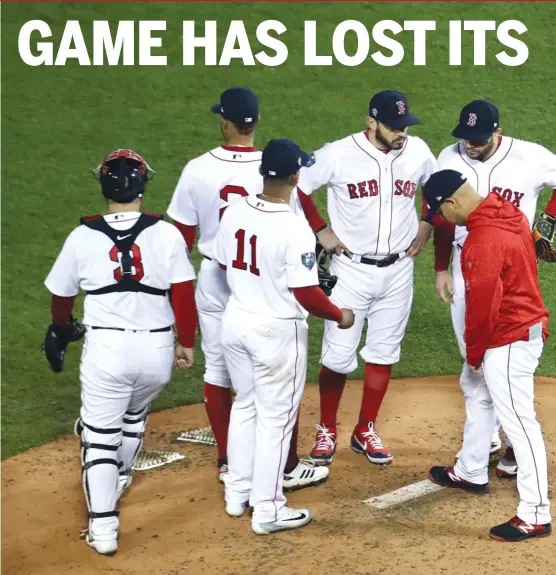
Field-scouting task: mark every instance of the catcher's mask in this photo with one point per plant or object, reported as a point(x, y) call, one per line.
point(123, 176)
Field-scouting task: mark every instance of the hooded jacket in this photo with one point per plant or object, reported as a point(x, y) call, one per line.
point(502, 293)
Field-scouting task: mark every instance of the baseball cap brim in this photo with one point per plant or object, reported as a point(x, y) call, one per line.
point(216, 108)
point(403, 122)
point(467, 133)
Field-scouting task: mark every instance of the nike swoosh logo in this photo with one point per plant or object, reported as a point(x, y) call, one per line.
point(123, 237)
point(300, 516)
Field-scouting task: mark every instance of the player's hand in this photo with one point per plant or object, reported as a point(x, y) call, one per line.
point(183, 357)
point(423, 235)
point(348, 319)
point(444, 286)
point(476, 370)
point(330, 242)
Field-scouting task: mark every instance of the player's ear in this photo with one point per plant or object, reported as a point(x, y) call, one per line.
point(371, 123)
point(293, 180)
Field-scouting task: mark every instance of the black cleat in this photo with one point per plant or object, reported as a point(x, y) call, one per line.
point(518, 530)
point(446, 476)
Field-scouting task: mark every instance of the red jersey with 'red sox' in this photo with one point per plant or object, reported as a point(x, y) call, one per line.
point(502, 292)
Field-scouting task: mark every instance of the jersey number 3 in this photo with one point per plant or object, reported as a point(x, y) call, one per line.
point(136, 262)
point(239, 263)
point(226, 191)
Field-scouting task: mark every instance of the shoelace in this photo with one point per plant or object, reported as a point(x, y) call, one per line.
point(372, 438)
point(325, 438)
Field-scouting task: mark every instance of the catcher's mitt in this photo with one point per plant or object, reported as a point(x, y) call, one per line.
point(544, 232)
point(326, 280)
point(57, 339)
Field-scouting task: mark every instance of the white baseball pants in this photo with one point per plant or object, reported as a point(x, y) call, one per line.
point(478, 421)
point(267, 361)
point(510, 376)
point(382, 297)
point(211, 296)
point(121, 373)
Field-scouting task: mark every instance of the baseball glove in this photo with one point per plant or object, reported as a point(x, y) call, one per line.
point(544, 232)
point(326, 280)
point(57, 339)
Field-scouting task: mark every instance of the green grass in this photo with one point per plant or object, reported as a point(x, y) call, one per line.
point(58, 123)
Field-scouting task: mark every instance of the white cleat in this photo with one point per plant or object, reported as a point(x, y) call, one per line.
point(223, 471)
point(507, 466)
point(124, 481)
point(289, 519)
point(495, 443)
point(305, 474)
point(236, 509)
point(104, 546)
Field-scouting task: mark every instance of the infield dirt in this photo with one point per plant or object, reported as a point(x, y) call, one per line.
point(173, 519)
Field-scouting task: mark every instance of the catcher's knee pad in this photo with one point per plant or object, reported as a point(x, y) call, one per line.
point(133, 432)
point(99, 461)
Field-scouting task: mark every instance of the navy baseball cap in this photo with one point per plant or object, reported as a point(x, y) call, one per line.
point(440, 186)
point(282, 158)
point(239, 105)
point(477, 121)
point(391, 108)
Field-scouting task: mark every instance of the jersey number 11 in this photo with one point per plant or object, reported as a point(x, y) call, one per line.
point(239, 263)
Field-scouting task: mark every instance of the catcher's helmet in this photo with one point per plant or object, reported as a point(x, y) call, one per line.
point(123, 176)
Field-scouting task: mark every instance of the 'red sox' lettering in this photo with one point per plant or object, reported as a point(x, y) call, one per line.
point(363, 189)
point(510, 195)
point(370, 189)
point(406, 188)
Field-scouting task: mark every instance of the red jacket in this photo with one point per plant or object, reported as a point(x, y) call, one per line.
point(502, 293)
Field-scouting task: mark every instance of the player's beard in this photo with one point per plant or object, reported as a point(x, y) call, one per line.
point(396, 144)
point(485, 152)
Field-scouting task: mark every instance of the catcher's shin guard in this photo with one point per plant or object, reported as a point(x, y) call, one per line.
point(133, 431)
point(99, 460)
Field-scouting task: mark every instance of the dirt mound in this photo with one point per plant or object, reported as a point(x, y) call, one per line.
point(173, 519)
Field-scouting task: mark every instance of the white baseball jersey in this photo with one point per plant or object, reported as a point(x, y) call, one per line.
point(371, 194)
point(211, 182)
point(90, 260)
point(267, 250)
point(518, 171)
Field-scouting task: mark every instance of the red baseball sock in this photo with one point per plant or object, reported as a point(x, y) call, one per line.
point(377, 378)
point(331, 387)
point(293, 459)
point(218, 403)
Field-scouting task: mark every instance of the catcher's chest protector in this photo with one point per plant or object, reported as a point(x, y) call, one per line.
point(124, 244)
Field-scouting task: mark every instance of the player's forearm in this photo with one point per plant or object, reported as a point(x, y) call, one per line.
point(61, 308)
point(188, 233)
point(182, 296)
point(315, 220)
point(443, 240)
point(551, 206)
point(314, 300)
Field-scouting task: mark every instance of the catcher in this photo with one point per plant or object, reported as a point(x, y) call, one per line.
point(136, 272)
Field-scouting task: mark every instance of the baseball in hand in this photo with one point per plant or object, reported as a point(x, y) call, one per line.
point(348, 319)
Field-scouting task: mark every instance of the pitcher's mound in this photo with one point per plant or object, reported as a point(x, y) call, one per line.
point(173, 519)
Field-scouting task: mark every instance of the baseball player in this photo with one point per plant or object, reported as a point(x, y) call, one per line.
point(136, 272)
point(372, 178)
point(505, 329)
point(269, 257)
point(207, 185)
point(517, 171)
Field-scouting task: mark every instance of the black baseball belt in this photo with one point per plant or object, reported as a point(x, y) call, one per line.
point(383, 263)
point(159, 330)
